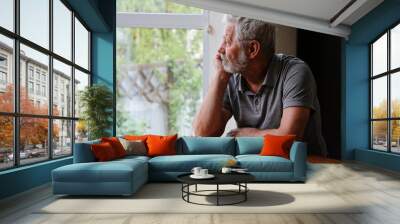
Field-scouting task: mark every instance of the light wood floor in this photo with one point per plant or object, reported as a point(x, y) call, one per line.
point(378, 188)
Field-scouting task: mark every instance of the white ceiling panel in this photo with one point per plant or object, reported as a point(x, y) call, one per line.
point(320, 9)
point(333, 17)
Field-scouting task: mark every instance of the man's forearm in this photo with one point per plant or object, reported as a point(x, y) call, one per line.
point(210, 117)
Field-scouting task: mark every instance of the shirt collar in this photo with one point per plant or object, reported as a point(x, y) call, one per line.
point(269, 80)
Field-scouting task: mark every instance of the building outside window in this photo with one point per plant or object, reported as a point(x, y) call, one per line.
point(385, 91)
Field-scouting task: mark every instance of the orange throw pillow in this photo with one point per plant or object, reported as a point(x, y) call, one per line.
point(116, 145)
point(136, 137)
point(275, 145)
point(103, 151)
point(161, 145)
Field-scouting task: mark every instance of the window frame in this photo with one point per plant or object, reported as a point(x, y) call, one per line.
point(16, 115)
point(388, 74)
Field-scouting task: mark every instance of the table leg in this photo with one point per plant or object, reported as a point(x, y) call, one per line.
point(196, 188)
point(245, 193)
point(217, 194)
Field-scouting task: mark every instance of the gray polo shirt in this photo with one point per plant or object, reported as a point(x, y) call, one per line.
point(289, 83)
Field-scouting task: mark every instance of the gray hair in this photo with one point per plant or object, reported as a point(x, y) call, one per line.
point(252, 29)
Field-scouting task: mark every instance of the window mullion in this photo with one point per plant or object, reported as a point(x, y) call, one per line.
point(389, 76)
point(50, 82)
point(16, 84)
point(73, 82)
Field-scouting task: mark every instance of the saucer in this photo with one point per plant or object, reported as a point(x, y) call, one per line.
point(208, 176)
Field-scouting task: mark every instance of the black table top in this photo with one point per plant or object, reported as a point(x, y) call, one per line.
point(220, 178)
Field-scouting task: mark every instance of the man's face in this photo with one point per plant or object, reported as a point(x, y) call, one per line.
point(234, 59)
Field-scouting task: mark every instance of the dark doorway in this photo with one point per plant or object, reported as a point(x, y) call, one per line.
point(322, 53)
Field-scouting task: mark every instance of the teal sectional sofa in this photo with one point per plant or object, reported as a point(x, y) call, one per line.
point(125, 176)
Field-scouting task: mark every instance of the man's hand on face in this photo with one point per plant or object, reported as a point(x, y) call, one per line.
point(221, 73)
point(240, 132)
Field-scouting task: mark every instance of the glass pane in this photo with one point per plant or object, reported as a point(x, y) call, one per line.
point(35, 21)
point(395, 136)
point(81, 81)
point(62, 89)
point(395, 94)
point(6, 74)
point(159, 80)
point(379, 55)
point(34, 97)
point(81, 131)
point(81, 45)
point(62, 141)
point(379, 135)
point(395, 47)
point(33, 139)
point(7, 14)
point(154, 6)
point(6, 142)
point(379, 97)
point(62, 29)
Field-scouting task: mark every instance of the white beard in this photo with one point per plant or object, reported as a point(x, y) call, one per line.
point(238, 67)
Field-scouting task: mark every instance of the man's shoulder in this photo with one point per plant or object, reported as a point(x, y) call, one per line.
point(289, 60)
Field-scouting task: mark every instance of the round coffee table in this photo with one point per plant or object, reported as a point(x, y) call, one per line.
point(238, 179)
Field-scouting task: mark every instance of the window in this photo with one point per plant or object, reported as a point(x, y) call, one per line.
point(7, 14)
point(34, 21)
point(43, 90)
point(37, 74)
point(63, 73)
point(385, 94)
point(81, 45)
point(3, 61)
point(3, 78)
point(62, 29)
point(30, 87)
point(45, 131)
point(30, 72)
point(159, 67)
point(38, 89)
point(6, 73)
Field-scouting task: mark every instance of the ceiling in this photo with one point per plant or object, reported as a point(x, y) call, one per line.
point(333, 17)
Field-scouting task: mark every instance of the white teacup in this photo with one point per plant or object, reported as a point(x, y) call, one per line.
point(203, 172)
point(196, 170)
point(226, 170)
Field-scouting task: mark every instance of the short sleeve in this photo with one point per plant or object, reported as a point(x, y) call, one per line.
point(226, 100)
point(299, 88)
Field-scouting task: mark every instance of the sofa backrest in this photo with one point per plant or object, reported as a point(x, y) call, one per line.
point(83, 152)
point(249, 145)
point(206, 145)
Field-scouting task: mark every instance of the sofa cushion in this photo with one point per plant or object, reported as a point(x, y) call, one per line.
point(185, 163)
point(103, 152)
point(257, 163)
point(159, 145)
point(112, 171)
point(116, 145)
point(249, 145)
point(134, 147)
point(206, 145)
point(277, 145)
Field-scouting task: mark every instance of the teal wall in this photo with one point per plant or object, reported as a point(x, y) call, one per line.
point(24, 178)
point(355, 110)
point(103, 53)
point(99, 16)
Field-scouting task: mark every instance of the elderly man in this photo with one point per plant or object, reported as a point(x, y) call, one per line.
point(266, 93)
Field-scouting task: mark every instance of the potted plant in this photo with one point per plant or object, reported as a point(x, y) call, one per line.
point(96, 103)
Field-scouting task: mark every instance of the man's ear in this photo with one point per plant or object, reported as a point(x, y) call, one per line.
point(253, 49)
